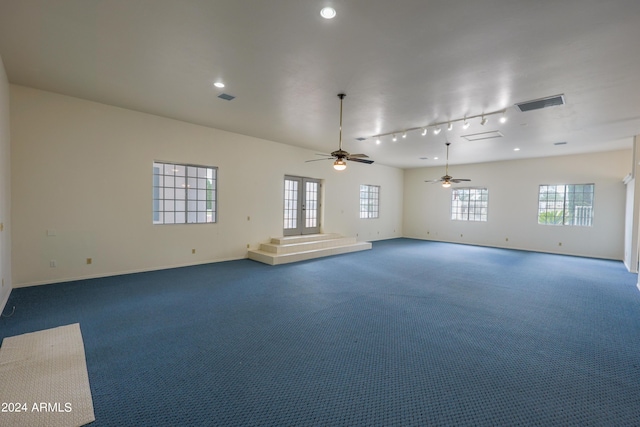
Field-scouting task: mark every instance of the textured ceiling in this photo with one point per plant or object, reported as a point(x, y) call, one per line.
point(403, 64)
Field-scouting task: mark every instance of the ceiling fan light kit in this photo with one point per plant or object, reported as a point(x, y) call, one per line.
point(340, 156)
point(339, 165)
point(447, 179)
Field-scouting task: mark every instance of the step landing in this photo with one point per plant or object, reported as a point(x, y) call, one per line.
point(288, 249)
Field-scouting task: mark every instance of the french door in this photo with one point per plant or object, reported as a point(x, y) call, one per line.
point(301, 205)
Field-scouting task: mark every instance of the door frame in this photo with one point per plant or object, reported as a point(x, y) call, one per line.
point(301, 208)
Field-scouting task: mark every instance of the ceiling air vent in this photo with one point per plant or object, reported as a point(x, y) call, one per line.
point(537, 104)
point(226, 97)
point(483, 135)
point(361, 139)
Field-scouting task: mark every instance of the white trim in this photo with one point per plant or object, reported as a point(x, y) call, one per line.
point(120, 273)
point(4, 303)
point(515, 248)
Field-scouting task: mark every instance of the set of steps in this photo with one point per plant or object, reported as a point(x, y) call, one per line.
point(283, 250)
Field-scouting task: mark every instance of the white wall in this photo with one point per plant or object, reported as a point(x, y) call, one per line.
point(83, 170)
point(513, 201)
point(5, 190)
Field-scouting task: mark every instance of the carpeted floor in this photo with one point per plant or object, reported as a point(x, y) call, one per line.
point(409, 333)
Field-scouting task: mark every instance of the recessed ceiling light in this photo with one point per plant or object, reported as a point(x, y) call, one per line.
point(435, 158)
point(516, 149)
point(328, 13)
point(219, 85)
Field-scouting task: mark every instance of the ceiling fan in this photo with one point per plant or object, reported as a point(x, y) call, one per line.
point(447, 179)
point(340, 155)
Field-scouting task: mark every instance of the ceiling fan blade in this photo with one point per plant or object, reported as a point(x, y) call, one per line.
point(459, 179)
point(315, 160)
point(359, 160)
point(434, 180)
point(358, 155)
point(323, 154)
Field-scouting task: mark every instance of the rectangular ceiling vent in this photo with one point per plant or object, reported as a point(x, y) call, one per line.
point(483, 135)
point(537, 104)
point(226, 97)
point(361, 139)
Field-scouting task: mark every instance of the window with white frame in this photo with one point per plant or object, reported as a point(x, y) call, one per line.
point(184, 194)
point(469, 204)
point(369, 201)
point(566, 204)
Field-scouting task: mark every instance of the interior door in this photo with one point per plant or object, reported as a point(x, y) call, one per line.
point(301, 205)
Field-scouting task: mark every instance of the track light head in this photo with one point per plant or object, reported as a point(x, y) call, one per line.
point(394, 138)
point(437, 130)
point(503, 118)
point(483, 121)
point(449, 126)
point(466, 124)
point(404, 134)
point(424, 131)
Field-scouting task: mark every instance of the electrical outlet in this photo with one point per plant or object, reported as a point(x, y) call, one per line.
point(460, 235)
point(89, 260)
point(247, 246)
point(53, 263)
point(559, 243)
point(506, 240)
point(1, 226)
point(3, 283)
point(248, 218)
point(193, 251)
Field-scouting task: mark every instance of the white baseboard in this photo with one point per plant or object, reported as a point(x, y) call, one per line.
point(3, 303)
point(120, 273)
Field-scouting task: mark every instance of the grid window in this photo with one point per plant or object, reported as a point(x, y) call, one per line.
point(369, 201)
point(570, 204)
point(469, 204)
point(184, 194)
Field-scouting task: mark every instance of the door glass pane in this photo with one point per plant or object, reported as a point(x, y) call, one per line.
point(311, 204)
point(290, 204)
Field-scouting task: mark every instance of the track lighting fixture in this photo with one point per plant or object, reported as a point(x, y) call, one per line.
point(437, 127)
point(378, 140)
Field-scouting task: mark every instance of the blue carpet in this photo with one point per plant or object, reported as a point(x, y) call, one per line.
point(411, 333)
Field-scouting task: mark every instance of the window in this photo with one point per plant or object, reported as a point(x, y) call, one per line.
point(566, 204)
point(369, 201)
point(469, 204)
point(184, 194)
